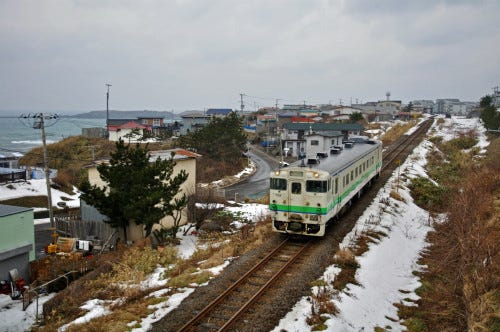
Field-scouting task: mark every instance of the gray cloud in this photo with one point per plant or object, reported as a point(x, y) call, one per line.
point(194, 54)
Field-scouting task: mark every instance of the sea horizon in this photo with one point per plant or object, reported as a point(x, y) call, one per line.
point(18, 135)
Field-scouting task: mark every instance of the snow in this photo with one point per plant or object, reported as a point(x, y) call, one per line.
point(385, 269)
point(12, 316)
point(38, 187)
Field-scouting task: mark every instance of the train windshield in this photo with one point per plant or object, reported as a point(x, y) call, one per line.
point(278, 184)
point(316, 186)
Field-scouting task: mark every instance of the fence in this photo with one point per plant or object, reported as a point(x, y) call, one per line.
point(73, 226)
point(12, 176)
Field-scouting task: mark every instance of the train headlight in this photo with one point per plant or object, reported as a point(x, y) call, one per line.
point(277, 172)
point(316, 174)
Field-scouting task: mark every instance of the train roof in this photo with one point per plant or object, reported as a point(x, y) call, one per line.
point(334, 163)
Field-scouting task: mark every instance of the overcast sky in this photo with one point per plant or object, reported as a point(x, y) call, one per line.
point(195, 54)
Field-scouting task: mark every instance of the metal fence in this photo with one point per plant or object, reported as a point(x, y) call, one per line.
point(12, 176)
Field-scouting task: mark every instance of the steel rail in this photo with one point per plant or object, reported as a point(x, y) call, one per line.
point(245, 306)
point(396, 151)
point(222, 296)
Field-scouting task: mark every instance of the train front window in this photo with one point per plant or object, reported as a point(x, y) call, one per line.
point(316, 186)
point(278, 184)
point(296, 188)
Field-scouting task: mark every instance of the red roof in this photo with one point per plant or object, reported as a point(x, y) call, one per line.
point(132, 125)
point(186, 153)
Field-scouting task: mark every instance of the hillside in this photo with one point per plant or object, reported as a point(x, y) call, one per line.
point(113, 114)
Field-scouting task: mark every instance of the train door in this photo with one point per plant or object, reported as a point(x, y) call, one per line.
point(336, 194)
point(295, 194)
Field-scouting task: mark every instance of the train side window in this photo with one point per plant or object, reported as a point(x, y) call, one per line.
point(296, 188)
point(278, 184)
point(336, 185)
point(329, 184)
point(352, 175)
point(356, 173)
point(314, 186)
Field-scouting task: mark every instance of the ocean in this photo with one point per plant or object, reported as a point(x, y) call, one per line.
point(18, 135)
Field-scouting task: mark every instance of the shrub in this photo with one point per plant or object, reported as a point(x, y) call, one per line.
point(427, 195)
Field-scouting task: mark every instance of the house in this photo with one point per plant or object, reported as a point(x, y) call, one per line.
point(155, 125)
point(17, 240)
point(218, 112)
point(185, 160)
point(321, 143)
point(192, 121)
point(10, 159)
point(117, 132)
point(293, 136)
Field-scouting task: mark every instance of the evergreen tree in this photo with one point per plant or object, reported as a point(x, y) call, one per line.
point(220, 139)
point(489, 114)
point(356, 116)
point(139, 190)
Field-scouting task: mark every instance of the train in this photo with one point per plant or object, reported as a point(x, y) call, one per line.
point(308, 194)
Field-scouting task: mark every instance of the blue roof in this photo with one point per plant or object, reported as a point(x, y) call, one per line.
point(221, 111)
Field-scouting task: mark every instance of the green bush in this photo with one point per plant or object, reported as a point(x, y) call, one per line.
point(427, 195)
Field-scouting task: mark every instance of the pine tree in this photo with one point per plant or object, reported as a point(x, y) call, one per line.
point(139, 190)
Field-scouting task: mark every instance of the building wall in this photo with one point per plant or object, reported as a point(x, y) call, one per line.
point(114, 136)
point(136, 232)
point(17, 243)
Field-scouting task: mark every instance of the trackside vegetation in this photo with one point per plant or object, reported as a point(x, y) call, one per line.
point(460, 281)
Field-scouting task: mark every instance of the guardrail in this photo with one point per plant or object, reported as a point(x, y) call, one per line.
point(31, 293)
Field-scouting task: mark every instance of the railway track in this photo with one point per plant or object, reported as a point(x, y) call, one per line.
point(225, 310)
point(402, 145)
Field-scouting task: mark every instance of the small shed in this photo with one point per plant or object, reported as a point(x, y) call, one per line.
point(17, 240)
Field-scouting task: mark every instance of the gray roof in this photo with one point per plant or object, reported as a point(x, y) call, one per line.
point(7, 210)
point(334, 163)
point(324, 126)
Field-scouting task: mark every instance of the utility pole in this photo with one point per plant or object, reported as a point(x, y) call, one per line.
point(107, 110)
point(277, 100)
point(46, 169)
point(242, 104)
point(37, 121)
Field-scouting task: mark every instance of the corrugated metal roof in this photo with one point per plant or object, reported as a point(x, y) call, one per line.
point(324, 126)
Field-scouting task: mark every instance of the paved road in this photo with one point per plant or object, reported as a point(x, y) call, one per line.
point(258, 184)
point(43, 236)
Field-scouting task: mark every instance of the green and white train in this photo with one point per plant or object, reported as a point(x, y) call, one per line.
point(309, 193)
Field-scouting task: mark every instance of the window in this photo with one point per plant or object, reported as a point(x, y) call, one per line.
point(144, 121)
point(296, 188)
point(336, 185)
point(314, 186)
point(156, 122)
point(278, 184)
point(356, 173)
point(352, 175)
point(314, 142)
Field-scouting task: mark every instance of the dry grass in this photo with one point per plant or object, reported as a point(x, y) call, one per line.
point(346, 260)
point(396, 131)
point(397, 196)
point(321, 306)
point(118, 280)
point(460, 286)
